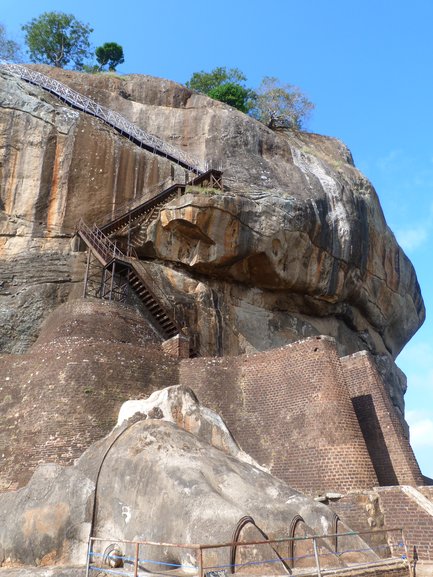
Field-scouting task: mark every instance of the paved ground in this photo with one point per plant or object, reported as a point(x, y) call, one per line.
point(44, 572)
point(424, 570)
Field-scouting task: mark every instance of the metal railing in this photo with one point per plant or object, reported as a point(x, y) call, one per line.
point(102, 245)
point(114, 119)
point(126, 213)
point(316, 556)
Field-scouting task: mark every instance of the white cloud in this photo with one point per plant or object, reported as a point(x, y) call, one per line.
point(412, 238)
point(416, 235)
point(421, 428)
point(421, 433)
point(390, 161)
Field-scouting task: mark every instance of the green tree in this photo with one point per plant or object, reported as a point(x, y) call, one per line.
point(233, 94)
point(225, 85)
point(206, 81)
point(281, 105)
point(57, 39)
point(109, 53)
point(9, 50)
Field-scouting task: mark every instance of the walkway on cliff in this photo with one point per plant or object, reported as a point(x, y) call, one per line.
point(121, 271)
point(114, 119)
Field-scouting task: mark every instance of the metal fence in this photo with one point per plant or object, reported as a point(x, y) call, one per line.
point(315, 555)
point(117, 121)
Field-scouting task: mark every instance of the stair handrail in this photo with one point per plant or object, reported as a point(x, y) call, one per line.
point(149, 203)
point(99, 241)
point(196, 181)
point(110, 117)
point(150, 285)
point(148, 280)
point(123, 208)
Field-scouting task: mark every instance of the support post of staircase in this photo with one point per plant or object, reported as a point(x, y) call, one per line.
point(103, 281)
point(113, 270)
point(86, 274)
point(128, 246)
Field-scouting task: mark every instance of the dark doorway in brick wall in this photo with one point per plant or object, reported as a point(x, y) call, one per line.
point(374, 439)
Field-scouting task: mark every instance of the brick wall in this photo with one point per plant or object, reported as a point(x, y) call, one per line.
point(177, 346)
point(290, 409)
point(386, 440)
point(427, 492)
point(402, 511)
point(66, 392)
point(360, 510)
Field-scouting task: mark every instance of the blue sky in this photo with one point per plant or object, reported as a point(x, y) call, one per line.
point(366, 64)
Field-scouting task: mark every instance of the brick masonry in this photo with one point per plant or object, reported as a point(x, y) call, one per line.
point(177, 346)
point(385, 436)
point(427, 492)
point(290, 409)
point(401, 511)
point(66, 392)
point(361, 511)
point(321, 423)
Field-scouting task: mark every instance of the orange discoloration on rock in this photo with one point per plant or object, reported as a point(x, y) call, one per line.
point(11, 184)
point(46, 520)
point(53, 216)
point(231, 235)
point(49, 559)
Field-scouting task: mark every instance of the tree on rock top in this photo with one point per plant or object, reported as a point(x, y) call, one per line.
point(280, 105)
point(9, 49)
point(109, 53)
point(206, 81)
point(225, 85)
point(58, 39)
point(233, 94)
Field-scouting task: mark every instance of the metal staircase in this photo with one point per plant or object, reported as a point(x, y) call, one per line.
point(167, 326)
point(121, 272)
point(211, 178)
point(126, 128)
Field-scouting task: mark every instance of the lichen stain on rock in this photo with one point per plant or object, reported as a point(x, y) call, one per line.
point(45, 520)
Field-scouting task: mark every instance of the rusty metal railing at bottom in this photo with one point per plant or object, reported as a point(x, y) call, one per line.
point(315, 555)
point(132, 558)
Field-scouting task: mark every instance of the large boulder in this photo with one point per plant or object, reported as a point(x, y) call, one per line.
point(295, 245)
point(154, 480)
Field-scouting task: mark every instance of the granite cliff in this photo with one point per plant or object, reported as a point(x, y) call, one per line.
point(295, 245)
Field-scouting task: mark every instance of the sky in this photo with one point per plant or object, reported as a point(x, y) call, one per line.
point(367, 66)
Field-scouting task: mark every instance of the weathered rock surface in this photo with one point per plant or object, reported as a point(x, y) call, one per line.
point(150, 480)
point(296, 245)
point(179, 405)
point(56, 166)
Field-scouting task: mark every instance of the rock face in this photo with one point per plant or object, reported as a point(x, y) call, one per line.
point(56, 165)
point(151, 479)
point(296, 244)
point(179, 405)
